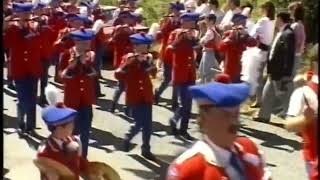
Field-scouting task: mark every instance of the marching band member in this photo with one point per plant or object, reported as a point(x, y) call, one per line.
point(24, 41)
point(47, 37)
point(215, 9)
point(79, 74)
point(209, 41)
point(254, 59)
point(234, 42)
point(60, 155)
point(221, 154)
point(135, 72)
point(122, 45)
point(168, 25)
point(302, 117)
point(182, 42)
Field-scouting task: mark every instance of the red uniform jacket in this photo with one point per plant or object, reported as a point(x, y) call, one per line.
point(79, 91)
point(233, 51)
point(200, 163)
point(48, 39)
point(25, 58)
point(57, 24)
point(121, 43)
point(309, 135)
point(52, 151)
point(136, 76)
point(183, 57)
point(166, 28)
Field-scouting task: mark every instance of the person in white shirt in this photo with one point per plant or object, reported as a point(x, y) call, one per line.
point(215, 9)
point(246, 11)
point(234, 8)
point(203, 7)
point(208, 60)
point(254, 59)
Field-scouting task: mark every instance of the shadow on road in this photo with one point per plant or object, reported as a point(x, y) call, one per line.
point(271, 140)
point(109, 83)
point(158, 168)
point(104, 138)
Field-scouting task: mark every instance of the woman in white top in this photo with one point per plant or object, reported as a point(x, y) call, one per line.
point(209, 66)
point(254, 59)
point(297, 13)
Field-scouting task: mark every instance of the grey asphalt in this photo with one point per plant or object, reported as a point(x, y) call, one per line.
point(282, 149)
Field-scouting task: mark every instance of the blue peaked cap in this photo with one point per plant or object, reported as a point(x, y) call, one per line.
point(141, 38)
point(190, 16)
point(54, 116)
point(177, 6)
point(75, 17)
point(82, 35)
point(239, 19)
point(220, 94)
point(22, 7)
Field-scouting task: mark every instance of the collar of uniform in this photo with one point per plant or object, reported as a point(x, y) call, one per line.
point(222, 155)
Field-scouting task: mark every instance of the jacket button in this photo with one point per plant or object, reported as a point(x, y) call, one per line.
point(140, 82)
point(81, 89)
point(25, 59)
point(141, 88)
point(189, 65)
point(189, 57)
point(81, 81)
point(25, 52)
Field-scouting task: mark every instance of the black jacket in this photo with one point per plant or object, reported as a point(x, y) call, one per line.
point(282, 61)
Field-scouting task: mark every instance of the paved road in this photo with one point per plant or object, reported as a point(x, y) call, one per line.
point(282, 149)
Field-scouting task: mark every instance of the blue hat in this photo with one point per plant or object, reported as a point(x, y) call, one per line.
point(55, 116)
point(75, 17)
point(141, 38)
point(22, 7)
point(190, 16)
point(40, 5)
point(82, 35)
point(238, 19)
point(220, 94)
point(177, 6)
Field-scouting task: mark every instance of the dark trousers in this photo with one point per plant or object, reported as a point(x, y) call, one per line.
point(44, 78)
point(83, 127)
point(118, 92)
point(184, 111)
point(27, 101)
point(142, 115)
point(167, 73)
point(98, 65)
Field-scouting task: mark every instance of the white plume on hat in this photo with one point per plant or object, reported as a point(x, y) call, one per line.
point(98, 24)
point(246, 11)
point(35, 3)
point(51, 94)
point(154, 28)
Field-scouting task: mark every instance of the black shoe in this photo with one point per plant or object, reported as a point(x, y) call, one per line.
point(174, 106)
point(43, 101)
point(126, 146)
point(112, 108)
point(148, 155)
point(156, 97)
point(259, 119)
point(101, 95)
point(186, 135)
point(11, 86)
point(174, 130)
